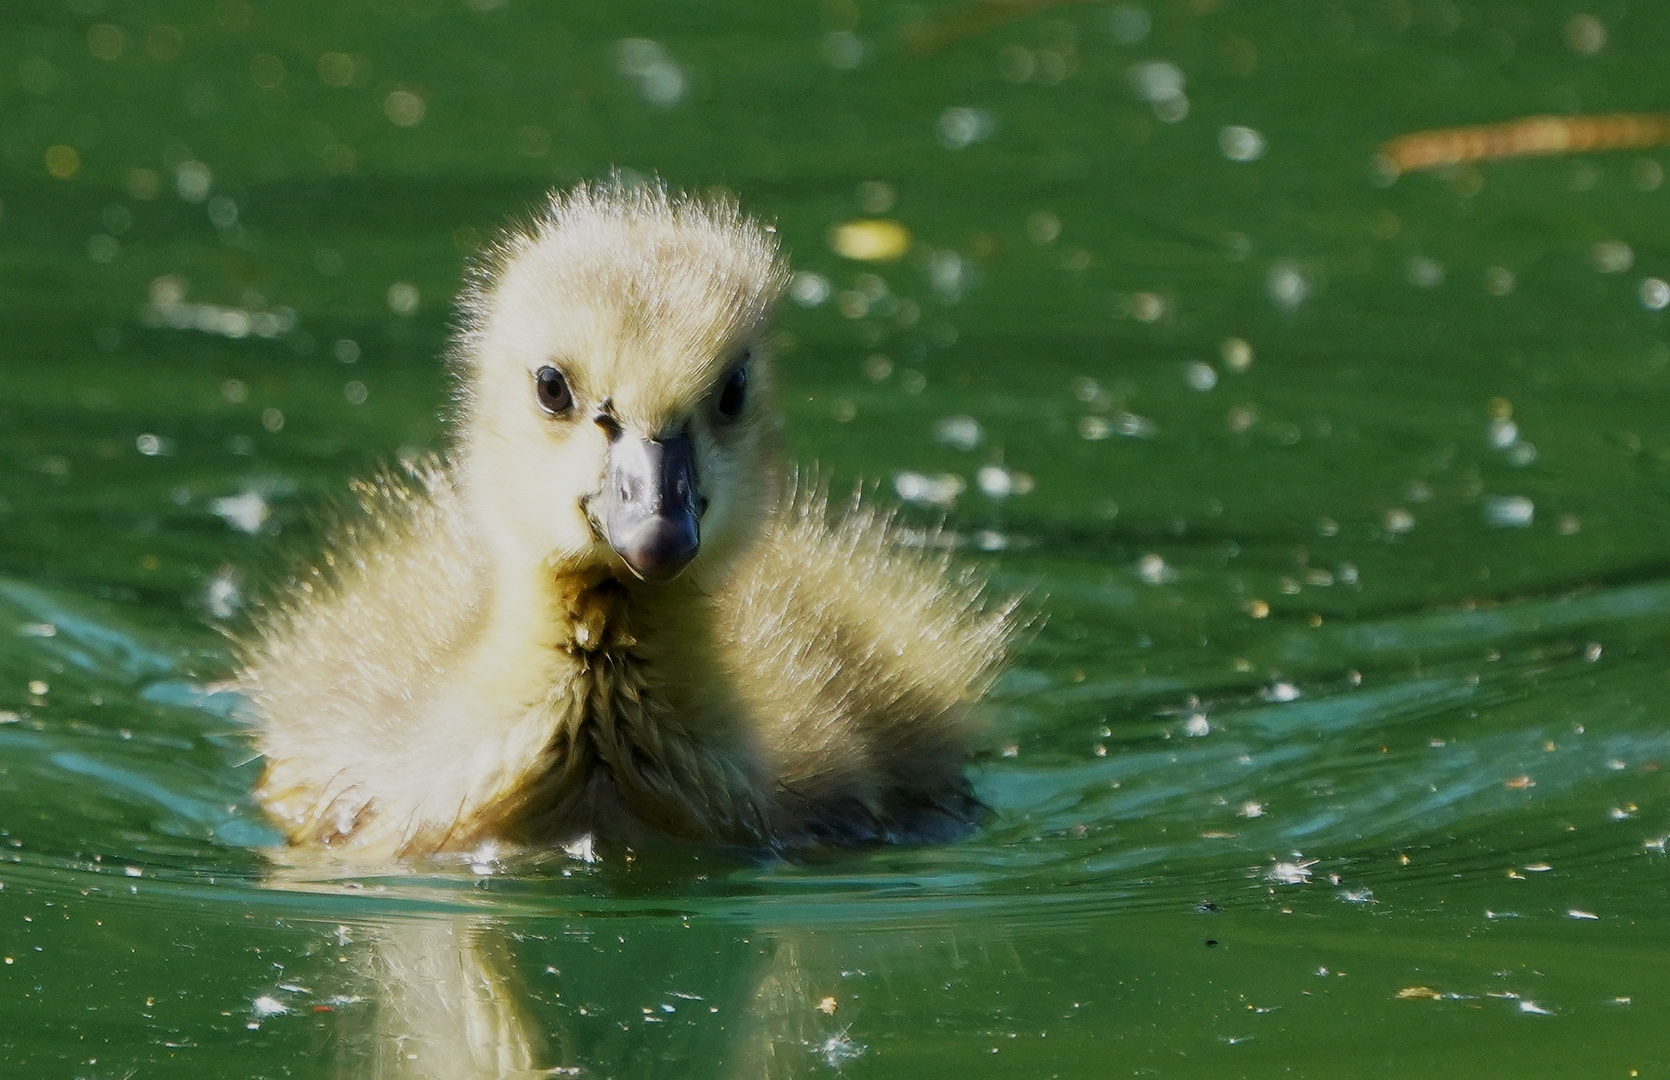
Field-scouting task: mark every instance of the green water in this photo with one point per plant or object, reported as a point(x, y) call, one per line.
point(1409, 821)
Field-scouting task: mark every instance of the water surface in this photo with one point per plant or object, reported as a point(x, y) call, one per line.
point(1342, 502)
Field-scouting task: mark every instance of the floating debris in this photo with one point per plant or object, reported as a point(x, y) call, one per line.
point(1525, 137)
point(837, 1050)
point(1295, 872)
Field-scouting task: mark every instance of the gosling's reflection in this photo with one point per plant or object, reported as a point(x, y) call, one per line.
point(438, 997)
point(469, 998)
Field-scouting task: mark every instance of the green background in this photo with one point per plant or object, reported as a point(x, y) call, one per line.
point(1420, 829)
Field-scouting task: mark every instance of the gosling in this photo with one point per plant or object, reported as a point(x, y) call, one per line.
point(609, 614)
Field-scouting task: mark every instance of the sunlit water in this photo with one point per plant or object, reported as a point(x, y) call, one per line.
point(1340, 505)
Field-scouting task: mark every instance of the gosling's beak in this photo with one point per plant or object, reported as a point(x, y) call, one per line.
point(648, 507)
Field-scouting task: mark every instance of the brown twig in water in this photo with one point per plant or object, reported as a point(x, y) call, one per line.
point(951, 25)
point(1526, 137)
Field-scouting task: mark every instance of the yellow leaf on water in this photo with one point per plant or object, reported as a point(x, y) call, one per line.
point(870, 239)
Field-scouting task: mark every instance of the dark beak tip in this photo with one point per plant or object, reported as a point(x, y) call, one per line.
point(658, 549)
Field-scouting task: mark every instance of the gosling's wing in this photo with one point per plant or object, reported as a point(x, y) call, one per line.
point(858, 648)
point(346, 647)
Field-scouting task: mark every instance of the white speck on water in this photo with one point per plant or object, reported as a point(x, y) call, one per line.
point(959, 432)
point(960, 127)
point(1095, 428)
point(1129, 23)
point(843, 50)
point(1156, 80)
point(222, 595)
point(1577, 913)
point(1424, 272)
point(661, 81)
point(1655, 294)
point(1509, 511)
point(1251, 810)
point(38, 629)
point(403, 298)
point(1295, 872)
point(1240, 143)
point(1281, 691)
point(193, 181)
point(1399, 521)
point(133, 871)
point(154, 445)
point(1161, 84)
point(223, 212)
point(1237, 354)
point(1287, 286)
point(1133, 426)
point(1534, 1009)
point(948, 275)
point(997, 482)
point(1154, 570)
point(245, 512)
point(1200, 375)
point(1146, 306)
point(809, 289)
point(837, 1050)
point(404, 107)
point(1612, 256)
point(1197, 726)
point(939, 489)
point(266, 1006)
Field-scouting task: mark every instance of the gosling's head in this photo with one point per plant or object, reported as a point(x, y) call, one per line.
point(615, 385)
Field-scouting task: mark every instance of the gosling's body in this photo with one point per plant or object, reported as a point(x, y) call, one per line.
point(494, 652)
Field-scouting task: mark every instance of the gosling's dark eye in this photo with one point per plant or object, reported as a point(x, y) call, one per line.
point(734, 394)
point(554, 396)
